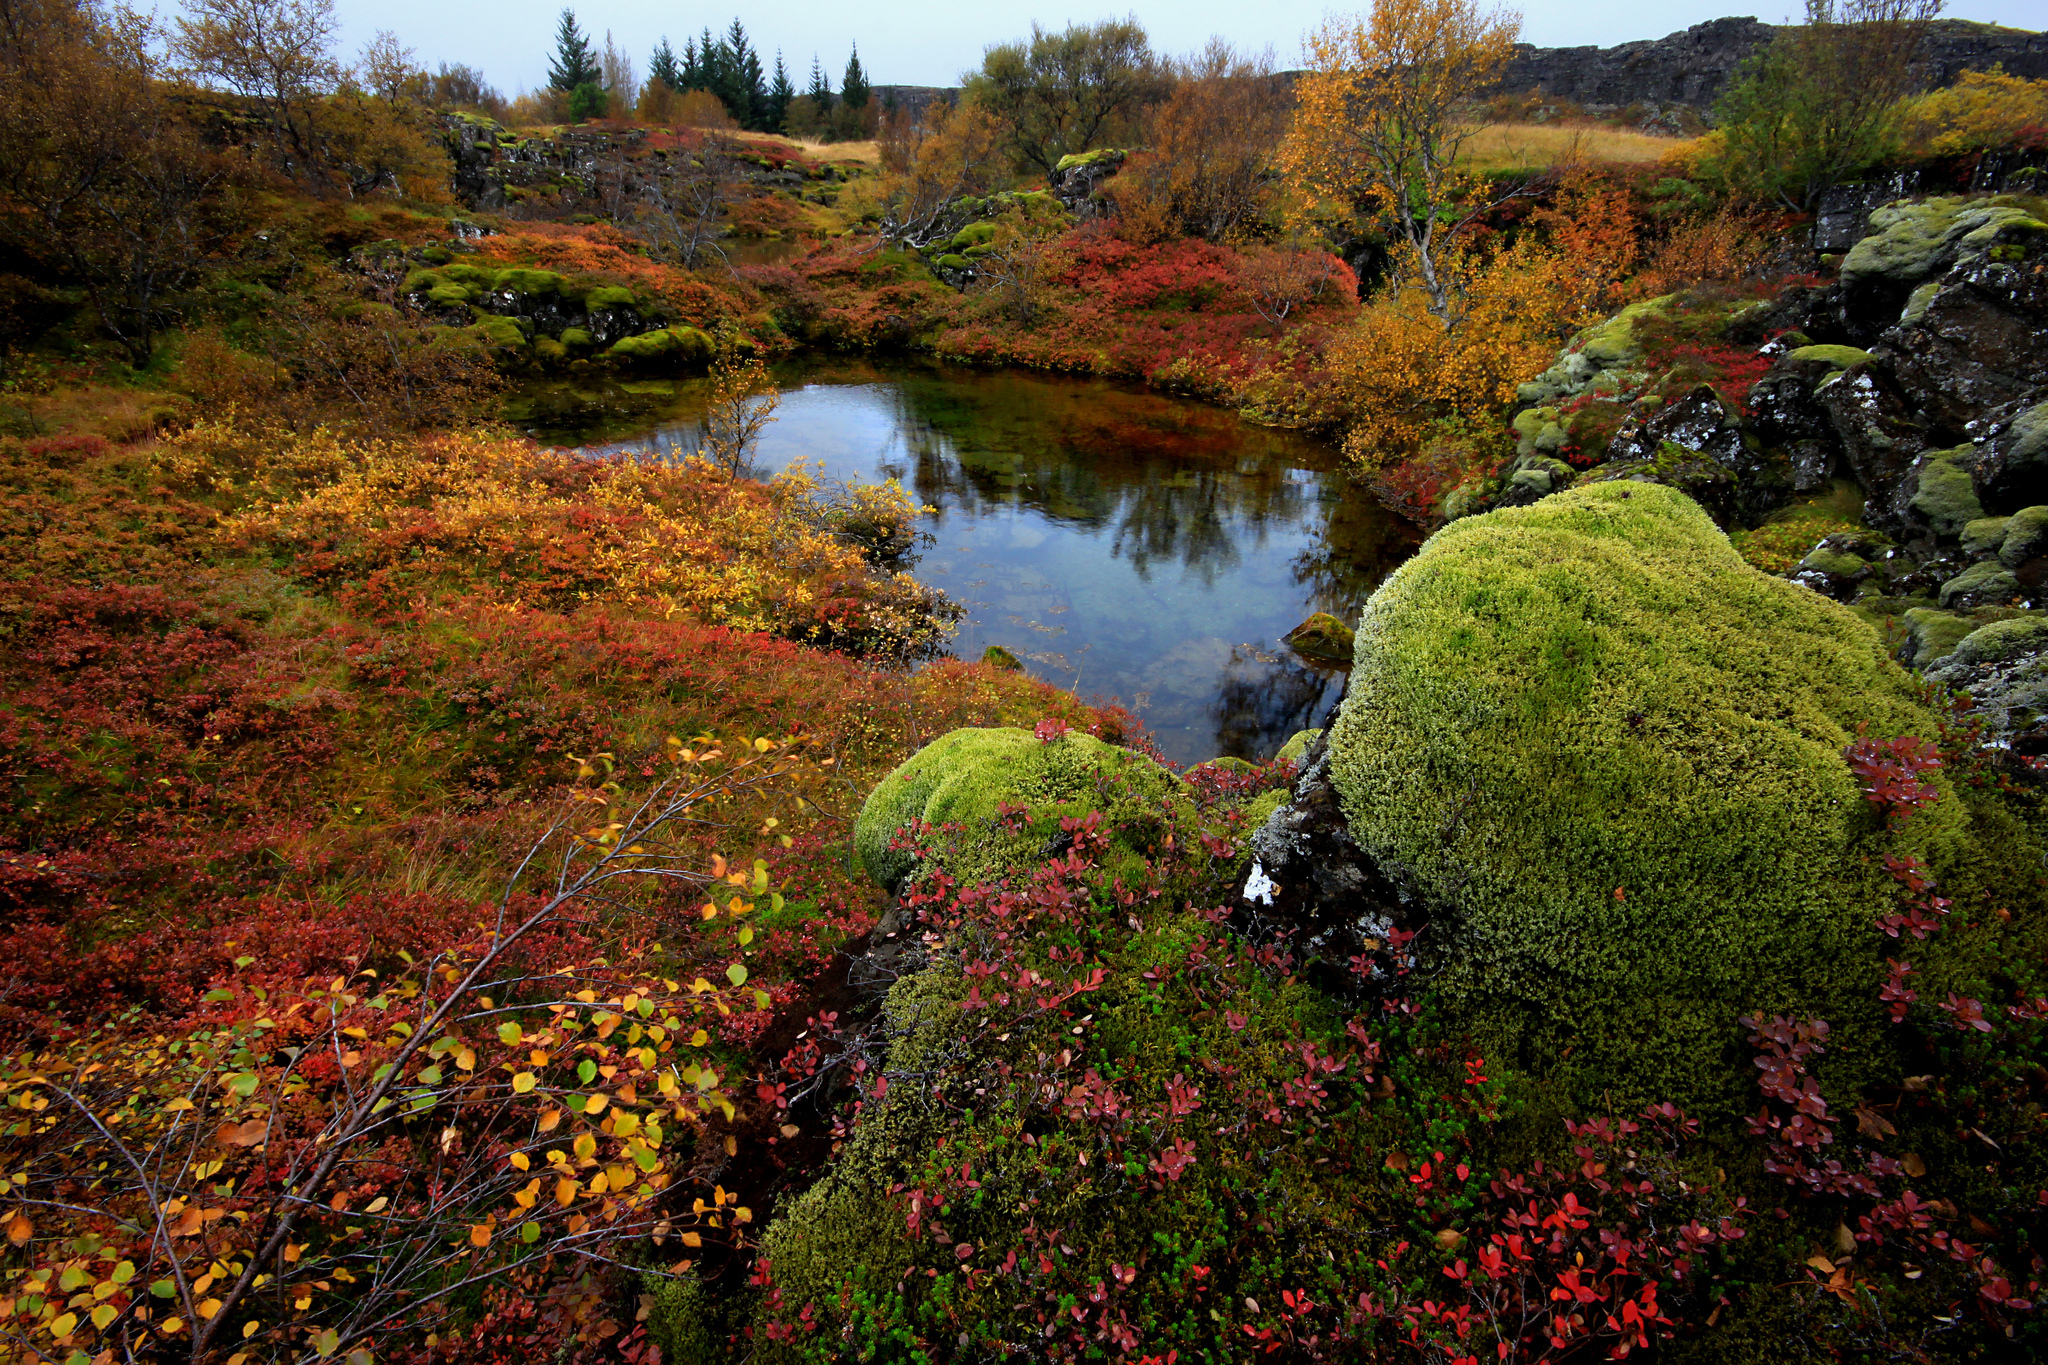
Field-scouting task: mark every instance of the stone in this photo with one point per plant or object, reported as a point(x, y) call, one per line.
point(995, 656)
point(1322, 636)
point(1989, 584)
point(2025, 538)
point(1945, 495)
point(1833, 572)
point(1931, 636)
point(1297, 745)
point(1985, 535)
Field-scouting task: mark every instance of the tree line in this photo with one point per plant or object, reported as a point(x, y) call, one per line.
point(726, 66)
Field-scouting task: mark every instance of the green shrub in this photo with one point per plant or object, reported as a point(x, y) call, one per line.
point(1609, 755)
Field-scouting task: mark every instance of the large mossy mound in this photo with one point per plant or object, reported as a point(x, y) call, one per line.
point(964, 779)
point(1608, 754)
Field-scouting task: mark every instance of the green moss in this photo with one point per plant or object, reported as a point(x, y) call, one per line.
point(961, 778)
point(1945, 495)
point(1610, 753)
point(953, 261)
point(1986, 584)
point(1910, 241)
point(1298, 744)
point(577, 339)
point(995, 656)
point(2002, 641)
point(1834, 563)
point(685, 344)
point(1321, 636)
point(1230, 764)
point(2026, 537)
point(609, 296)
point(1841, 357)
point(974, 234)
point(1091, 158)
point(1985, 535)
point(1932, 636)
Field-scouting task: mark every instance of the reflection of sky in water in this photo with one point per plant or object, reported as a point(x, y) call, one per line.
point(1122, 543)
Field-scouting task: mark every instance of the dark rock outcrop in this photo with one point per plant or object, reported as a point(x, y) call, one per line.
point(1694, 66)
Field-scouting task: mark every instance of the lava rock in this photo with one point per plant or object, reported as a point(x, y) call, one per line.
point(1989, 584)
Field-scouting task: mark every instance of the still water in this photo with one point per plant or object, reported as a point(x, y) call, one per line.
point(1124, 544)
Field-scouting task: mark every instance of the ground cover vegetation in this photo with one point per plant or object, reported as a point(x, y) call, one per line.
point(470, 901)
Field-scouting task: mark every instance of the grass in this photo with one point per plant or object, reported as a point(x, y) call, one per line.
point(1524, 146)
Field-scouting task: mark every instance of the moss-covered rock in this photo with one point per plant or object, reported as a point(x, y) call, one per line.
point(964, 777)
point(2001, 641)
point(1932, 636)
point(1321, 636)
point(1840, 357)
point(1609, 755)
point(995, 656)
point(685, 345)
point(2026, 537)
point(1944, 494)
point(1298, 744)
point(1985, 535)
point(1911, 241)
point(1989, 584)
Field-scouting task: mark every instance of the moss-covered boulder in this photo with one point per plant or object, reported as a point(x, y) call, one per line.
point(1321, 636)
point(1989, 584)
point(1298, 744)
point(1608, 755)
point(673, 345)
point(995, 656)
point(968, 778)
point(2025, 537)
point(1944, 494)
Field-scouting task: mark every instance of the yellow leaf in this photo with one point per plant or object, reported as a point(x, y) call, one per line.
point(377, 1205)
point(565, 1192)
point(550, 1120)
point(520, 1161)
point(209, 1308)
point(524, 1082)
point(480, 1235)
point(466, 1058)
point(178, 1105)
point(594, 1106)
point(691, 1239)
point(19, 1229)
point(63, 1326)
point(585, 1146)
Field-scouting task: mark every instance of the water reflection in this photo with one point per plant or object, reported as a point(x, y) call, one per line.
point(1123, 543)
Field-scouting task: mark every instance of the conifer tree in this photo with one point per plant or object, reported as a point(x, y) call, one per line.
point(662, 67)
point(744, 93)
point(692, 71)
point(854, 89)
point(574, 63)
point(821, 89)
point(780, 93)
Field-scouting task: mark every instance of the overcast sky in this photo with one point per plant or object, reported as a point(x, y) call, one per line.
point(930, 42)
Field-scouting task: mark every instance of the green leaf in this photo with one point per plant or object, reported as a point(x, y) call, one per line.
point(529, 1233)
point(218, 995)
point(123, 1272)
point(327, 1342)
point(746, 937)
point(509, 1032)
point(762, 1000)
point(243, 1083)
point(244, 961)
point(736, 974)
point(163, 1289)
point(586, 1071)
point(430, 1076)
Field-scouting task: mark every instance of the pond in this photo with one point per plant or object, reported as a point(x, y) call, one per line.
point(1122, 543)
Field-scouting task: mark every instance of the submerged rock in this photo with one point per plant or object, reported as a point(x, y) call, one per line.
point(1321, 636)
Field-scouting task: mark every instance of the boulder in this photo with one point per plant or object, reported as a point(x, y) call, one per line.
point(995, 656)
point(1602, 758)
point(2024, 537)
point(2003, 668)
point(1322, 636)
point(1297, 745)
point(1944, 495)
point(1989, 584)
point(1931, 636)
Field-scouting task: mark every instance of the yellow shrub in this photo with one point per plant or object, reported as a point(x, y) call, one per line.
point(1985, 109)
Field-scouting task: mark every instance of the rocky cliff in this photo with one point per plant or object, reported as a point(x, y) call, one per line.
point(1693, 67)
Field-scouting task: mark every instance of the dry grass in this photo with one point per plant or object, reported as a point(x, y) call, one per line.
point(868, 153)
point(1531, 146)
point(118, 414)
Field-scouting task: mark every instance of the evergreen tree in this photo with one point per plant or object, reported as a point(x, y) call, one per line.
point(780, 93)
point(662, 67)
point(574, 63)
point(854, 89)
point(692, 71)
point(742, 75)
point(821, 89)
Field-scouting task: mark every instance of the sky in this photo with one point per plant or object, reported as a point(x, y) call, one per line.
point(930, 42)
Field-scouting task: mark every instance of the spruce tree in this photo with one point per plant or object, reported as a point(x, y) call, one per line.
point(662, 67)
point(854, 89)
point(574, 63)
point(821, 89)
point(742, 75)
point(693, 66)
point(780, 93)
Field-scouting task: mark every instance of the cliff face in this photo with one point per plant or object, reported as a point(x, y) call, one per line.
point(1693, 67)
